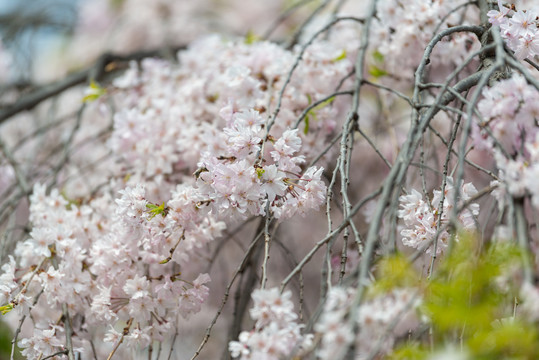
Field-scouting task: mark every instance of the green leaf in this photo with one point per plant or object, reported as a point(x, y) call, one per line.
point(324, 103)
point(306, 129)
point(6, 308)
point(464, 289)
point(342, 56)
point(378, 57)
point(251, 38)
point(94, 92)
point(156, 210)
point(376, 71)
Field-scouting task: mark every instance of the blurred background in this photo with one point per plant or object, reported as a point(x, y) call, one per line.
point(43, 39)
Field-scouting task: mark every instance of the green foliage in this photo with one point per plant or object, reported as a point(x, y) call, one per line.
point(410, 351)
point(508, 339)
point(6, 336)
point(464, 291)
point(307, 120)
point(394, 271)
point(469, 302)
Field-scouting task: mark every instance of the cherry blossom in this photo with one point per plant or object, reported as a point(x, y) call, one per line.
point(276, 333)
point(231, 159)
point(424, 222)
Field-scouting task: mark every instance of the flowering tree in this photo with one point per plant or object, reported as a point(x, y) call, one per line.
point(343, 180)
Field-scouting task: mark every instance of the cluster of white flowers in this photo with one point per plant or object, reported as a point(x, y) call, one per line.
point(224, 134)
point(337, 333)
point(422, 219)
point(107, 267)
point(519, 175)
point(380, 321)
point(276, 333)
point(192, 151)
point(402, 29)
point(508, 110)
point(235, 185)
point(508, 129)
point(386, 318)
point(209, 117)
point(519, 29)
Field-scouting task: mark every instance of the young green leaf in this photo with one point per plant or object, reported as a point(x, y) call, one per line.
point(342, 56)
point(94, 92)
point(156, 210)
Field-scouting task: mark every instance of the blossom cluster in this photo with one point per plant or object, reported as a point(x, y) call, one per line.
point(402, 29)
point(241, 187)
point(508, 130)
point(276, 333)
point(425, 221)
point(192, 149)
point(218, 129)
point(107, 269)
point(399, 34)
point(231, 129)
point(518, 28)
point(380, 320)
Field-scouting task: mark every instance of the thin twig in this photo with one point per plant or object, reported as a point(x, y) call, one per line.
point(124, 334)
point(63, 352)
point(239, 269)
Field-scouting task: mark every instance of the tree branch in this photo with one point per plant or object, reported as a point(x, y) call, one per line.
point(94, 72)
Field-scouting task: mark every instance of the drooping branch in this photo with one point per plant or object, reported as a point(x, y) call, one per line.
point(101, 67)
